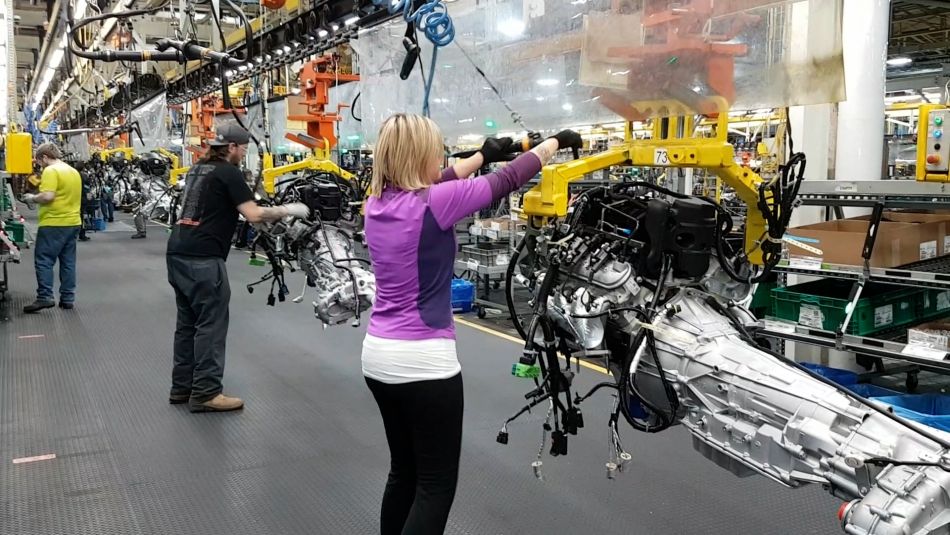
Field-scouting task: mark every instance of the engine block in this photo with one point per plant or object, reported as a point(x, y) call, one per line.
point(630, 277)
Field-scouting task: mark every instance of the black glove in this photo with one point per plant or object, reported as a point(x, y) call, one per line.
point(568, 139)
point(496, 149)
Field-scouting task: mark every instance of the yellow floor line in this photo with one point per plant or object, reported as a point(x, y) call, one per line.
point(519, 341)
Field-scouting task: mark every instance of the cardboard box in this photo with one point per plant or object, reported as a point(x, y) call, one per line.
point(842, 242)
point(940, 220)
point(935, 334)
point(496, 223)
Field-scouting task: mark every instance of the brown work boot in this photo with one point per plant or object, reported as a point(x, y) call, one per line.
point(219, 403)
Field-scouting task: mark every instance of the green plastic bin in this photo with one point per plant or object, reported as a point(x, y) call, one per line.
point(761, 304)
point(15, 230)
point(823, 304)
point(935, 304)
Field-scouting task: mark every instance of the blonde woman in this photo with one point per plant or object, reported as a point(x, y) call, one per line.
point(409, 359)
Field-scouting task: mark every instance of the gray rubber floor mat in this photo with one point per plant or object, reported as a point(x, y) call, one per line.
point(308, 454)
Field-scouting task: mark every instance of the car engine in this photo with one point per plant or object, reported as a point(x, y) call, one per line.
point(647, 283)
point(323, 247)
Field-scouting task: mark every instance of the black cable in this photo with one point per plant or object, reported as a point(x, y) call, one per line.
point(353, 107)
point(509, 288)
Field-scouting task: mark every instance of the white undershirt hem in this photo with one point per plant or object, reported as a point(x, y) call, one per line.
point(404, 361)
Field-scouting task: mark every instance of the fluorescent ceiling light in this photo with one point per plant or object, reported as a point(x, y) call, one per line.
point(335, 26)
point(567, 106)
point(323, 33)
point(548, 82)
point(351, 21)
point(899, 62)
point(511, 27)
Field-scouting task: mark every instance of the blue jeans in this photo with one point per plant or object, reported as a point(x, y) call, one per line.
point(107, 207)
point(52, 244)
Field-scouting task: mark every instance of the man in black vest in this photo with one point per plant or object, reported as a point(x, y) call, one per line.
point(215, 192)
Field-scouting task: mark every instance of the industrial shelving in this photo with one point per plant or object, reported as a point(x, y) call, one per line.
point(932, 273)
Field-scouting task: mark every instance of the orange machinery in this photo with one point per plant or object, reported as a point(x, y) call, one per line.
point(316, 79)
point(678, 45)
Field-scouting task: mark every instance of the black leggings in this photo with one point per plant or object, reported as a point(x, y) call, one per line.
point(423, 423)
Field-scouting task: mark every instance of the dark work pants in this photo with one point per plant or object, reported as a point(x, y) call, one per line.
point(423, 422)
point(107, 207)
point(139, 220)
point(202, 293)
point(55, 244)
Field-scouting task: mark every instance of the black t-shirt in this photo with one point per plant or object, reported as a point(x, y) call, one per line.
point(209, 215)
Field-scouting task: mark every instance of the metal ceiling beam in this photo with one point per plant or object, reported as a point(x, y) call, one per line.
point(920, 81)
point(910, 49)
point(924, 33)
point(940, 4)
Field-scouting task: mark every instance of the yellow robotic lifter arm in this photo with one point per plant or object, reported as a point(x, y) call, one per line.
point(128, 152)
point(672, 145)
point(177, 170)
point(311, 163)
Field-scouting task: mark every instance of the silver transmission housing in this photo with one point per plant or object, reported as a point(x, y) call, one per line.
point(344, 287)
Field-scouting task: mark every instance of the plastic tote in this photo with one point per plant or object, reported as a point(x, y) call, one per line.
point(928, 409)
point(867, 390)
point(842, 377)
point(463, 295)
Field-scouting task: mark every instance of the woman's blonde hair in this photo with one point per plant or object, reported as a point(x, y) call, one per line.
point(406, 146)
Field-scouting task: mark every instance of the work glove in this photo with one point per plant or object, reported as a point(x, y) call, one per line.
point(29, 199)
point(496, 149)
point(297, 209)
point(568, 139)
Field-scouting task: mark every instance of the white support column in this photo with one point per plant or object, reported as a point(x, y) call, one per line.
point(816, 28)
point(860, 142)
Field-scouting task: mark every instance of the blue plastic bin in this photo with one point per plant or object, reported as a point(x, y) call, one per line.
point(929, 409)
point(842, 377)
point(463, 295)
point(98, 224)
point(867, 390)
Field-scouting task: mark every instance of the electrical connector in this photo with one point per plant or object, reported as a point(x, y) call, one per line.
point(525, 370)
point(502, 437)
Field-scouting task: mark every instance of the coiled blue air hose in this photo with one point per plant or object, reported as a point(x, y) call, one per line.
point(433, 20)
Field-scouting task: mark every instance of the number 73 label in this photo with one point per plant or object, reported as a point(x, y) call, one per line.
point(661, 157)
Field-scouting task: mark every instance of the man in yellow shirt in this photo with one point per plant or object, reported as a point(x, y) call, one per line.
point(60, 198)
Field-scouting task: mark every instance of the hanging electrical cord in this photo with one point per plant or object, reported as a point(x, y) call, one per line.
point(353, 108)
point(433, 20)
point(515, 116)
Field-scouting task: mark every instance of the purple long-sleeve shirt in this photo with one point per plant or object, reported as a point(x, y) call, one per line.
point(411, 238)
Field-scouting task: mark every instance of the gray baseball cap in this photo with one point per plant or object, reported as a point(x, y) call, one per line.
point(230, 133)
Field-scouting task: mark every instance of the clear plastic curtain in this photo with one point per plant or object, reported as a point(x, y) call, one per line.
point(77, 145)
point(276, 127)
point(562, 64)
point(153, 120)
